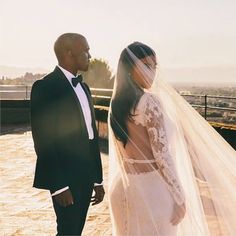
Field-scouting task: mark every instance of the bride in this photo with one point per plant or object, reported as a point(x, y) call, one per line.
point(170, 173)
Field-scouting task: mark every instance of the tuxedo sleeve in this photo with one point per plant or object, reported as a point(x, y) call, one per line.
point(98, 163)
point(48, 173)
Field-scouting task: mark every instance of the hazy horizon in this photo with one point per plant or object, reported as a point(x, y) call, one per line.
point(190, 75)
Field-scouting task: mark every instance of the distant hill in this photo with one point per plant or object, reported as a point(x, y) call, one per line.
point(217, 75)
point(14, 72)
point(201, 75)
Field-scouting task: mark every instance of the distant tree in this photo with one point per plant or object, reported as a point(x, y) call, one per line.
point(99, 75)
point(27, 79)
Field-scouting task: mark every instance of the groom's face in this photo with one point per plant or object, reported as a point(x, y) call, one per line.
point(81, 55)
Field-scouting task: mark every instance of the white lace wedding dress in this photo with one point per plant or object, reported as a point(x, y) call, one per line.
point(151, 177)
point(172, 156)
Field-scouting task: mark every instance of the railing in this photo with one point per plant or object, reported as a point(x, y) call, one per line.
point(207, 105)
point(203, 103)
point(15, 92)
point(22, 92)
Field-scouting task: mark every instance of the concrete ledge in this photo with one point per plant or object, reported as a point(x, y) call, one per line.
point(15, 111)
point(227, 131)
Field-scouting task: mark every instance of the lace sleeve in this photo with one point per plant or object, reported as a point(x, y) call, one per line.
point(154, 123)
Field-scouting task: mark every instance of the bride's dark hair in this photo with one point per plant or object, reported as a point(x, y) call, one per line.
point(126, 92)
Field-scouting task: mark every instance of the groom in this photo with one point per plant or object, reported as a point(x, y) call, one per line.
point(65, 136)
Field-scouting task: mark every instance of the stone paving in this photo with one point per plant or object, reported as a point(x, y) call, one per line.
point(28, 211)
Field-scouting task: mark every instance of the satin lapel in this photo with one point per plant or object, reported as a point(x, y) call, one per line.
point(66, 87)
point(90, 105)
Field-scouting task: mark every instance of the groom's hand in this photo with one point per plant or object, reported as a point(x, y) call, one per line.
point(64, 199)
point(99, 195)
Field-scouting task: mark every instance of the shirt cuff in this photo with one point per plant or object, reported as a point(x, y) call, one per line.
point(96, 184)
point(59, 191)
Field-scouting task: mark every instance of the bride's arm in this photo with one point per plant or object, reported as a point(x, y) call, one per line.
point(154, 123)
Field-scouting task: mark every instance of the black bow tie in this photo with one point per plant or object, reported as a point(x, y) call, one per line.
point(77, 80)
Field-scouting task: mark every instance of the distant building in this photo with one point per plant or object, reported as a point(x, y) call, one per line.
point(184, 92)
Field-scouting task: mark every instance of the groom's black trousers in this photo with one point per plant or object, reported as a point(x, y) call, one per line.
point(71, 219)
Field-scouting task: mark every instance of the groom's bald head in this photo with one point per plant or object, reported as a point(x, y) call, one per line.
point(72, 52)
point(65, 43)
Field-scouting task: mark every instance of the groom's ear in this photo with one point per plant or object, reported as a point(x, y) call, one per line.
point(69, 52)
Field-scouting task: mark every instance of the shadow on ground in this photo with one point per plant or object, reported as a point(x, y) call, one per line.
point(14, 128)
point(22, 128)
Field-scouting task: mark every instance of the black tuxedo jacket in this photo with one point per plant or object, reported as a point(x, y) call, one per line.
point(65, 155)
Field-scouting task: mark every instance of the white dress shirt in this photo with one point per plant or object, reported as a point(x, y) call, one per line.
point(83, 100)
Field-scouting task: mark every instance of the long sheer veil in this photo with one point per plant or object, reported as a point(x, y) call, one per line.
point(204, 161)
point(206, 165)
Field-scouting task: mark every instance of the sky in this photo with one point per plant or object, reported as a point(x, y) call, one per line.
point(184, 33)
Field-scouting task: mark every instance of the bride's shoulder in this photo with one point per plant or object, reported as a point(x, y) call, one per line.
point(148, 104)
point(148, 99)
